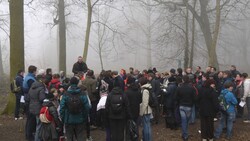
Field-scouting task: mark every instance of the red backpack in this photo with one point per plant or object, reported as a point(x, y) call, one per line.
point(45, 116)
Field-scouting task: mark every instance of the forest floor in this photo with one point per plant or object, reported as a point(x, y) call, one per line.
point(11, 130)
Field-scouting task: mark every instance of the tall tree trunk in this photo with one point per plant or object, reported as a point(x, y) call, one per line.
point(16, 46)
point(1, 62)
point(192, 42)
point(62, 36)
point(186, 50)
point(87, 35)
point(212, 54)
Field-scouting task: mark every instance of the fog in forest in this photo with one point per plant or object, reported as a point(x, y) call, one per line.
point(134, 33)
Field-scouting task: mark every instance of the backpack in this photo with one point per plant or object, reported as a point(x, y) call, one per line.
point(152, 101)
point(45, 116)
point(117, 103)
point(223, 104)
point(14, 88)
point(74, 103)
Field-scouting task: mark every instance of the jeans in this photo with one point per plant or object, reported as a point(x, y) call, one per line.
point(248, 107)
point(17, 108)
point(230, 118)
point(185, 113)
point(146, 131)
point(38, 127)
point(192, 118)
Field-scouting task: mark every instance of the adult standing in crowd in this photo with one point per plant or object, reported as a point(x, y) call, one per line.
point(145, 110)
point(74, 110)
point(185, 97)
point(19, 84)
point(35, 99)
point(246, 97)
point(80, 66)
point(208, 104)
point(30, 126)
point(90, 84)
point(229, 117)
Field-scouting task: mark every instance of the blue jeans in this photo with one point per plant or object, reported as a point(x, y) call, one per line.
point(185, 113)
point(192, 118)
point(230, 118)
point(38, 127)
point(146, 131)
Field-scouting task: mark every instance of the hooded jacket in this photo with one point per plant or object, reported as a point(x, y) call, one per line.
point(144, 107)
point(35, 97)
point(66, 116)
point(55, 82)
point(90, 85)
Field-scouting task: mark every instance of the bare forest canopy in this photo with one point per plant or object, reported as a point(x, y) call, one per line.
point(115, 34)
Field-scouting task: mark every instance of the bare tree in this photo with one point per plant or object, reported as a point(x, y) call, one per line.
point(16, 46)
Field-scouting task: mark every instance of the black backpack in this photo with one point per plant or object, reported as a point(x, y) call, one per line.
point(74, 103)
point(152, 101)
point(117, 104)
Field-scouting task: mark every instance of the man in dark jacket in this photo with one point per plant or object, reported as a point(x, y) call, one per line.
point(35, 99)
point(19, 83)
point(156, 89)
point(74, 120)
point(117, 108)
point(118, 80)
point(80, 66)
point(90, 84)
point(185, 97)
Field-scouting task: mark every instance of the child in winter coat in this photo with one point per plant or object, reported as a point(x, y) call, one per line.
point(51, 124)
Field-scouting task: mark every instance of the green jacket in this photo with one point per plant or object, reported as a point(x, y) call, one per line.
point(66, 116)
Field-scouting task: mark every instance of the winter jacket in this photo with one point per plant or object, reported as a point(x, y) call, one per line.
point(185, 95)
point(66, 116)
point(35, 97)
point(134, 97)
point(144, 107)
point(19, 83)
point(208, 102)
point(27, 82)
point(230, 100)
point(156, 87)
point(55, 82)
point(79, 67)
point(49, 131)
point(125, 113)
point(169, 100)
point(90, 84)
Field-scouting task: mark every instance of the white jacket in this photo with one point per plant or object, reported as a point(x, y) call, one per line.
point(144, 107)
point(246, 89)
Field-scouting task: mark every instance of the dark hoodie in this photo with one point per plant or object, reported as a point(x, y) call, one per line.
point(134, 97)
point(35, 97)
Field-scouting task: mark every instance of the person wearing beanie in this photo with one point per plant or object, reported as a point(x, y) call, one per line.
point(74, 109)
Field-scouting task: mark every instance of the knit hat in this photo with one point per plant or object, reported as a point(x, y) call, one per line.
point(172, 71)
point(74, 80)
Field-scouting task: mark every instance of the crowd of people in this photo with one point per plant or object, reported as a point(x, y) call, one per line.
point(58, 108)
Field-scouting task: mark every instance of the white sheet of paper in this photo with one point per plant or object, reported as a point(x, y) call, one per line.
point(242, 103)
point(22, 99)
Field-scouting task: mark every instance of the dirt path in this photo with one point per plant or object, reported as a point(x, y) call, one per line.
point(11, 130)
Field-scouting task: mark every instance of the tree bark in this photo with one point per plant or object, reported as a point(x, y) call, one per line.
point(148, 35)
point(212, 53)
point(186, 50)
point(62, 36)
point(16, 46)
point(1, 61)
point(193, 40)
point(87, 35)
